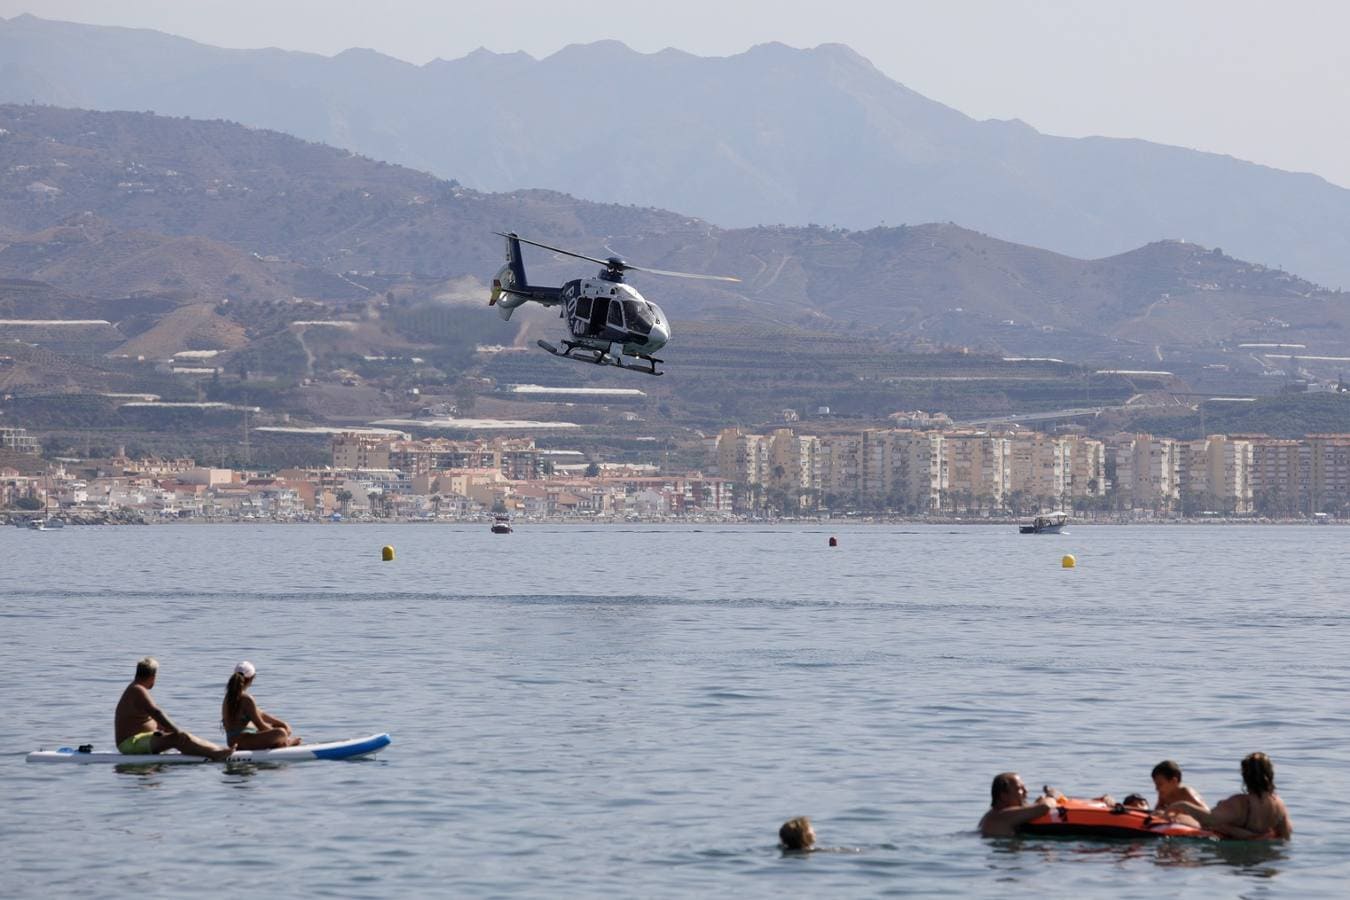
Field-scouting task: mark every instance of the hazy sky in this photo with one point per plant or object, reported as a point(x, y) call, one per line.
point(1264, 81)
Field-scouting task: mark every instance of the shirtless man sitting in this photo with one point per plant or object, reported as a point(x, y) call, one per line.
point(1009, 807)
point(1167, 779)
point(141, 727)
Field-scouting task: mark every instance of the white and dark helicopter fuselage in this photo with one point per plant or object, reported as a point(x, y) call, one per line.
point(606, 317)
point(604, 314)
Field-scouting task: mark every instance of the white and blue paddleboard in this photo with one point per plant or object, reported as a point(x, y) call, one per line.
point(349, 749)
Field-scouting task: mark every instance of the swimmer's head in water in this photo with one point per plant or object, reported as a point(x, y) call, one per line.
point(1007, 790)
point(1137, 801)
point(1258, 774)
point(797, 834)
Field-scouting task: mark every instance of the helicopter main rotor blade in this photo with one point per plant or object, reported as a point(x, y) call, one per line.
point(603, 262)
point(615, 263)
point(681, 274)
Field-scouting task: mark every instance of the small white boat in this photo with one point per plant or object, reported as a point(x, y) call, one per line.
point(1046, 523)
point(502, 525)
point(45, 524)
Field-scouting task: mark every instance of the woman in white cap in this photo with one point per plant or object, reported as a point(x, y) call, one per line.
point(246, 726)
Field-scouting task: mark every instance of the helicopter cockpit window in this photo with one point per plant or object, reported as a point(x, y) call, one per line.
point(583, 307)
point(640, 317)
point(616, 313)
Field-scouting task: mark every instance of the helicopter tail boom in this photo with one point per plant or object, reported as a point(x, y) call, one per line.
point(509, 287)
point(514, 263)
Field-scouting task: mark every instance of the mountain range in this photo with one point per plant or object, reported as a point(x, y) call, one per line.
point(118, 203)
point(772, 135)
point(208, 236)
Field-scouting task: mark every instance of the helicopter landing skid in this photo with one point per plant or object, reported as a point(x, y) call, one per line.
point(584, 353)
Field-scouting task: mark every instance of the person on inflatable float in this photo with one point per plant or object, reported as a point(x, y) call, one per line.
point(1009, 807)
point(1256, 814)
point(1167, 779)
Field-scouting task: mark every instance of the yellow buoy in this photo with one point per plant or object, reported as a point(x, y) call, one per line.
point(387, 554)
point(1068, 561)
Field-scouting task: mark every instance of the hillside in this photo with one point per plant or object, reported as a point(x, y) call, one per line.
point(771, 135)
point(212, 211)
point(337, 289)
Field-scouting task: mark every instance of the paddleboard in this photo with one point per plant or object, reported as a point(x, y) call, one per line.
point(349, 749)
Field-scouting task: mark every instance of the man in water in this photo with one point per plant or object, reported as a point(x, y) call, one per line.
point(1167, 779)
point(1009, 808)
point(141, 727)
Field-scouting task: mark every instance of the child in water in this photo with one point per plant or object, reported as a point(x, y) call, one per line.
point(797, 834)
point(1167, 779)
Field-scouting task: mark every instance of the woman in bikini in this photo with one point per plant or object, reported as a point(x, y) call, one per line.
point(1256, 814)
point(246, 726)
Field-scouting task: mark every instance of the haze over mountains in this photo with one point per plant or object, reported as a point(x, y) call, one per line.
point(773, 135)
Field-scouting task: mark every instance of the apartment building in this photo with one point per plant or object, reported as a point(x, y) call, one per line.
point(19, 440)
point(977, 470)
point(1085, 461)
point(1039, 468)
point(793, 465)
point(1280, 476)
point(516, 458)
point(919, 470)
point(358, 451)
point(1329, 472)
point(743, 458)
point(1215, 475)
point(1147, 472)
point(841, 467)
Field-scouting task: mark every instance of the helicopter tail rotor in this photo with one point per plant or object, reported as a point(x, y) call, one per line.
point(505, 299)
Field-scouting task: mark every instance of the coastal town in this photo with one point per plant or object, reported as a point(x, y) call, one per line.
point(938, 471)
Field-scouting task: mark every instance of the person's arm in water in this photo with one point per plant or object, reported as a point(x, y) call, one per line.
point(1185, 794)
point(1227, 819)
point(1198, 812)
point(1003, 822)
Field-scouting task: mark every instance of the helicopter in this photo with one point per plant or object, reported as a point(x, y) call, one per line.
point(606, 317)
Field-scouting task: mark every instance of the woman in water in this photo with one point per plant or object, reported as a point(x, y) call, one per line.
point(246, 726)
point(1256, 814)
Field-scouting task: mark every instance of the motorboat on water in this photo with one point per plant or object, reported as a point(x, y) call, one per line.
point(502, 525)
point(1046, 523)
point(45, 524)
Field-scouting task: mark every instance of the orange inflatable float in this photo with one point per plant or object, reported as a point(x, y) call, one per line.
point(1075, 817)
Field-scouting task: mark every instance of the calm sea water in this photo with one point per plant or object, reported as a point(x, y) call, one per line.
point(633, 711)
